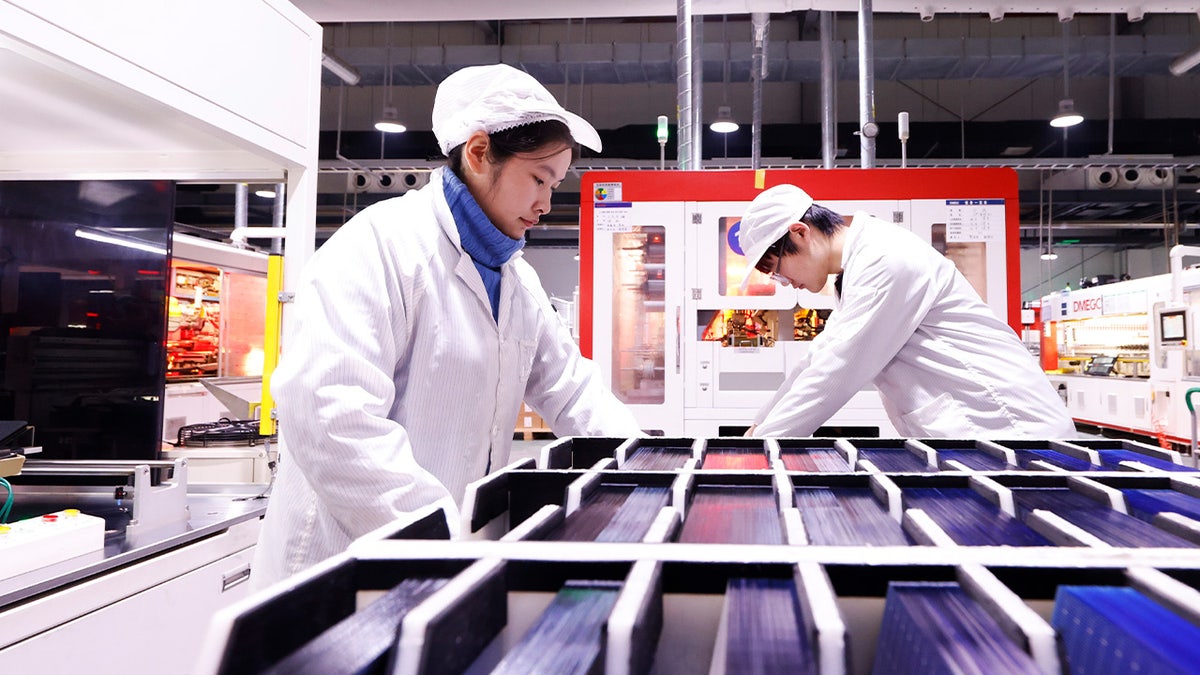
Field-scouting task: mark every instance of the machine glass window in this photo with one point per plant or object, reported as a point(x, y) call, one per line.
point(639, 315)
point(731, 263)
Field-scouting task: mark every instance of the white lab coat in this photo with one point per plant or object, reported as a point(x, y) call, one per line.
point(912, 325)
point(397, 387)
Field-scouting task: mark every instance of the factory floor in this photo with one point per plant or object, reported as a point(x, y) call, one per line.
point(523, 449)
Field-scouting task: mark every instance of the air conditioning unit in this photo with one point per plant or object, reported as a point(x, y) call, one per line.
point(1102, 178)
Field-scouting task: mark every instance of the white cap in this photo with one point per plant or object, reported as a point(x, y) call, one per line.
point(495, 98)
point(766, 221)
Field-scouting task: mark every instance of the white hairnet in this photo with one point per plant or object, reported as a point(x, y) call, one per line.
point(767, 219)
point(495, 98)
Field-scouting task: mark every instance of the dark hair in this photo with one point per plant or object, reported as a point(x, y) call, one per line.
point(522, 140)
point(825, 221)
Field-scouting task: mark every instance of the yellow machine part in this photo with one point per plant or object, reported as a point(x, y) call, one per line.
point(271, 330)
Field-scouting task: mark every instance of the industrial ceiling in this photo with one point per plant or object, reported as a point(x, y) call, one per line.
point(1125, 179)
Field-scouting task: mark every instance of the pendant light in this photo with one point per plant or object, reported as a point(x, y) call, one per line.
point(724, 124)
point(1067, 116)
point(389, 120)
point(1048, 253)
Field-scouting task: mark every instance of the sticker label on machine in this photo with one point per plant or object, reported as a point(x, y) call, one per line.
point(612, 217)
point(975, 220)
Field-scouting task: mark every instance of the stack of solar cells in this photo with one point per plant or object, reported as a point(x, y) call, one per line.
point(935, 627)
point(568, 636)
point(657, 458)
point(733, 458)
point(360, 643)
point(733, 514)
point(894, 460)
point(1148, 503)
point(1108, 525)
point(613, 512)
point(1119, 630)
point(763, 630)
point(971, 520)
point(1112, 460)
point(847, 517)
point(818, 460)
point(971, 458)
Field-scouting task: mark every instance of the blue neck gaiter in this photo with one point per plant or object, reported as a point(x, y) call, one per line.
point(488, 247)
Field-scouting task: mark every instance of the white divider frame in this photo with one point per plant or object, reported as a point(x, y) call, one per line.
point(1021, 623)
point(921, 450)
point(1061, 531)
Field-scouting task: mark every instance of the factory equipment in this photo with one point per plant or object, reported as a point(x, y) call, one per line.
point(813, 555)
point(215, 333)
point(1123, 354)
point(83, 275)
point(689, 350)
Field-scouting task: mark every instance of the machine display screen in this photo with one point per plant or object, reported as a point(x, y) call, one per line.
point(1172, 326)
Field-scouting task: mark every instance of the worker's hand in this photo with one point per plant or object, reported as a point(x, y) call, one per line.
point(750, 431)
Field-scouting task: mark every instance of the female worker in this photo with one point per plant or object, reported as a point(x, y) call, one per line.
point(905, 320)
point(419, 330)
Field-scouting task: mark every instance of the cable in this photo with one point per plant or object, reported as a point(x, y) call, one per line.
point(8, 502)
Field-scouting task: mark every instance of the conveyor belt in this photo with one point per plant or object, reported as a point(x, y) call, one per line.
point(971, 520)
point(935, 627)
point(726, 514)
point(847, 517)
point(1118, 630)
point(765, 630)
point(819, 460)
point(613, 513)
point(568, 636)
point(1110, 526)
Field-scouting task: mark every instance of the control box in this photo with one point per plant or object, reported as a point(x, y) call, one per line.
point(34, 543)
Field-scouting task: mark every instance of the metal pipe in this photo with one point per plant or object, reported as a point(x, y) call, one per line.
point(277, 216)
point(758, 70)
point(1112, 76)
point(683, 83)
point(866, 84)
point(828, 93)
point(241, 199)
point(698, 93)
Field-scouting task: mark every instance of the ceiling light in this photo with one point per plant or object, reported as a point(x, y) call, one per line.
point(389, 121)
point(724, 123)
point(265, 194)
point(1185, 62)
point(1067, 116)
point(345, 72)
point(1049, 255)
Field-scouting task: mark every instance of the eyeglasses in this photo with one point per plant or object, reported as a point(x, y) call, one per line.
point(777, 251)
